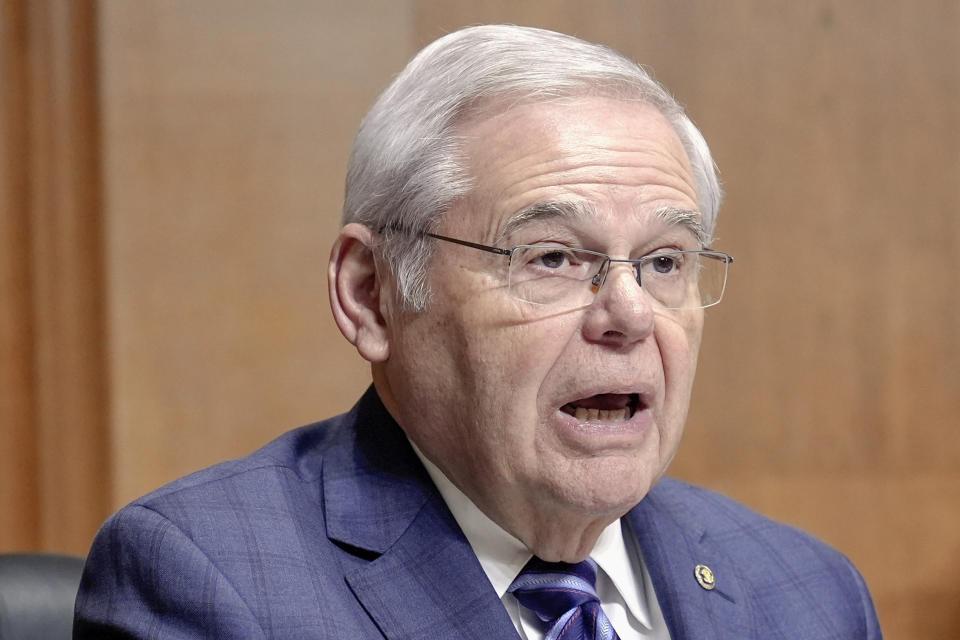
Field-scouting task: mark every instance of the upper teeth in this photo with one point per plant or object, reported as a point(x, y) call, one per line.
point(603, 415)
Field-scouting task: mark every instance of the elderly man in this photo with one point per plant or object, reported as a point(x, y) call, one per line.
point(524, 262)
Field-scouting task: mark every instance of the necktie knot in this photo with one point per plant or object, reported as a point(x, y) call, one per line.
point(564, 596)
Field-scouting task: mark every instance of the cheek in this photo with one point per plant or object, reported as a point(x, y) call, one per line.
point(510, 364)
point(679, 342)
point(510, 342)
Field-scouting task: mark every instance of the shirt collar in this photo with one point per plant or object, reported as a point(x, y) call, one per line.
point(502, 556)
point(627, 574)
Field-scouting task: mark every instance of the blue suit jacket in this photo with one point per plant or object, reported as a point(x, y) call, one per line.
point(336, 531)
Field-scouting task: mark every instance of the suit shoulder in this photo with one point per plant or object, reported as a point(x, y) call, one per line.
point(789, 574)
point(262, 501)
point(245, 537)
point(294, 458)
point(726, 519)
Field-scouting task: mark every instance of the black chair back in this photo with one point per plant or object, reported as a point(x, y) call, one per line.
point(37, 592)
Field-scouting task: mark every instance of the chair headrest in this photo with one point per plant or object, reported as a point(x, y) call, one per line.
point(37, 594)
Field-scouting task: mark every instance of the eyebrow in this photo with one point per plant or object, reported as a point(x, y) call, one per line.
point(670, 216)
point(685, 218)
point(546, 210)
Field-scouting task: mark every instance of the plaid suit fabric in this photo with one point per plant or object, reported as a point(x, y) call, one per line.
point(335, 531)
point(772, 581)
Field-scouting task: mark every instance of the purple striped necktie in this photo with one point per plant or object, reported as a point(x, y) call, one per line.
point(564, 596)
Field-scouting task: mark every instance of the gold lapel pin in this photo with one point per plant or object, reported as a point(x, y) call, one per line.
point(705, 577)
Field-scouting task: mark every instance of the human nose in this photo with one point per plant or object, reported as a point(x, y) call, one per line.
point(622, 312)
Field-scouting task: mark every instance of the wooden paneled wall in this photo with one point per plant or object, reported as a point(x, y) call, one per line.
point(171, 176)
point(54, 488)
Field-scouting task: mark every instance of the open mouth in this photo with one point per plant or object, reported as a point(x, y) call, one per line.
point(604, 407)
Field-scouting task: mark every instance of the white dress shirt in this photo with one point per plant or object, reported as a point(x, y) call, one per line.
point(623, 582)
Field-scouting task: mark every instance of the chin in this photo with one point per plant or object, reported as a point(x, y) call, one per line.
point(609, 491)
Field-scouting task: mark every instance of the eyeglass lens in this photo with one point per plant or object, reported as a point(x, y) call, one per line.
point(561, 276)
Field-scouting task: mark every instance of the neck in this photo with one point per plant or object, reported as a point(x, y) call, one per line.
point(560, 537)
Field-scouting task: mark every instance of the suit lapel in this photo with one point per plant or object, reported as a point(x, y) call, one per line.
point(429, 585)
point(424, 581)
point(674, 541)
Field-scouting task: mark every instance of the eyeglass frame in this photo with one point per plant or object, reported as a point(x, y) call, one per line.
point(605, 269)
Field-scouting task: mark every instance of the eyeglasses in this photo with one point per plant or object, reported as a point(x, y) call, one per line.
point(566, 277)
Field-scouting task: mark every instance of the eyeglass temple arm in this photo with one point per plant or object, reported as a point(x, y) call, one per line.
point(720, 255)
point(473, 245)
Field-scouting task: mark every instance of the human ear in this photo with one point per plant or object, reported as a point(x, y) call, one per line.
point(355, 292)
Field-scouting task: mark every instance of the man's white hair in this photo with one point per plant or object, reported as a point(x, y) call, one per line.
point(407, 168)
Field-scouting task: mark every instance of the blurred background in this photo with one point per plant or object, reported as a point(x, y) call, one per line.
point(171, 176)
